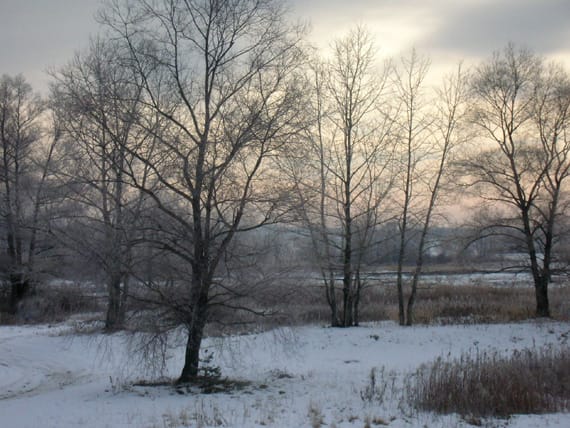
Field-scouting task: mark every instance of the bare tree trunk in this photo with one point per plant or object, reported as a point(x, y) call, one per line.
point(400, 281)
point(192, 354)
point(404, 230)
point(19, 288)
point(195, 327)
point(115, 308)
point(542, 303)
point(413, 293)
point(356, 302)
point(347, 235)
point(124, 299)
point(540, 276)
point(347, 319)
point(347, 277)
point(331, 300)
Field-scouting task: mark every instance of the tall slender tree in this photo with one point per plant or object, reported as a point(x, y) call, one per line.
point(430, 127)
point(346, 172)
point(20, 192)
point(447, 135)
point(414, 146)
point(98, 101)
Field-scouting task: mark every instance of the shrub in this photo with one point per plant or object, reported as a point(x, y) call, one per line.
point(379, 386)
point(56, 304)
point(485, 384)
point(315, 416)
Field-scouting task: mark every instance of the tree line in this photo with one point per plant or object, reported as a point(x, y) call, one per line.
point(187, 124)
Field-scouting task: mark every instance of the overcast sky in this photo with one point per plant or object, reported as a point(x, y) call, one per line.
point(38, 34)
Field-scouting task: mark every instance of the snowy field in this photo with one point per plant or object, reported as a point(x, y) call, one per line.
point(494, 279)
point(301, 377)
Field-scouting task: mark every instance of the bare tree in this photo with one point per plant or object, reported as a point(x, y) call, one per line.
point(447, 134)
point(521, 108)
point(23, 175)
point(414, 147)
point(429, 130)
point(97, 99)
point(221, 78)
point(346, 172)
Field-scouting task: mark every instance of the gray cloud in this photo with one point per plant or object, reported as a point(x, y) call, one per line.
point(37, 34)
point(477, 29)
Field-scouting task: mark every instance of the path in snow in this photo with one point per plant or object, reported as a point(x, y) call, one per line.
point(36, 363)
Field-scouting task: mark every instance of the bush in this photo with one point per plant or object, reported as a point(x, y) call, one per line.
point(491, 384)
point(56, 304)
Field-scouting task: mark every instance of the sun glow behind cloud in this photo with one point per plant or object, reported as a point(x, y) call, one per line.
point(395, 28)
point(445, 30)
point(39, 34)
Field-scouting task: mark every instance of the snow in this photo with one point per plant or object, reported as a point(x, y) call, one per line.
point(50, 376)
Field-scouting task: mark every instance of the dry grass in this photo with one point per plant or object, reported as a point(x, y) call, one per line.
point(303, 301)
point(436, 304)
point(494, 385)
point(54, 304)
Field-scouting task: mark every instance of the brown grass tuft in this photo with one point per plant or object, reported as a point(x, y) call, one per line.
point(485, 384)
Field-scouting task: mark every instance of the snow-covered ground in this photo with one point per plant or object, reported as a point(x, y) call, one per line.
point(486, 278)
point(51, 377)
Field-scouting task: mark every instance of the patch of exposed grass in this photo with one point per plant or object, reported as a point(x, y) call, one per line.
point(490, 384)
point(436, 304)
point(211, 385)
point(303, 302)
point(201, 384)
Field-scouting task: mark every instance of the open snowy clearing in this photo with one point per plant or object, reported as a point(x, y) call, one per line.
point(52, 377)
